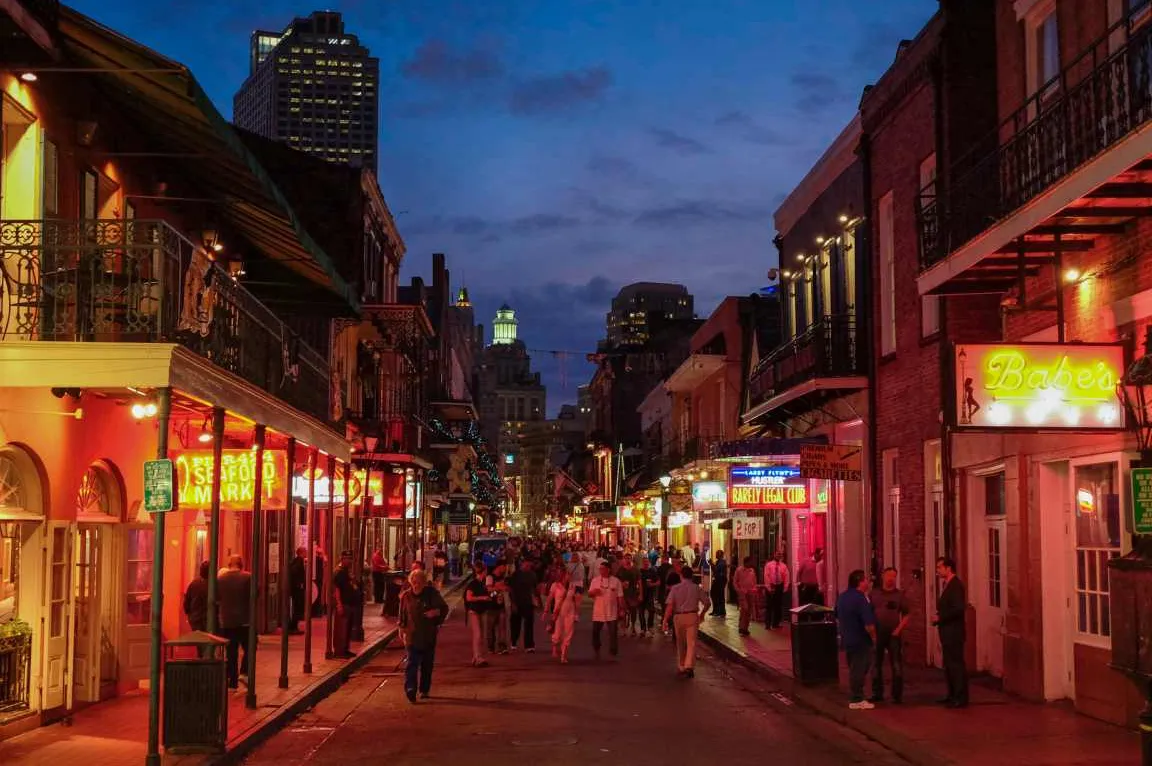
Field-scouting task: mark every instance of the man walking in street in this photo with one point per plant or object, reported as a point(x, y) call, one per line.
point(890, 606)
point(950, 610)
point(422, 612)
point(858, 635)
point(683, 601)
point(607, 594)
point(744, 581)
point(719, 585)
point(524, 587)
point(629, 577)
point(577, 571)
point(810, 579)
point(346, 599)
point(196, 600)
point(776, 582)
point(232, 590)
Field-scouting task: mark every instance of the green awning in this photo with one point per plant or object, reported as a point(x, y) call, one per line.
point(163, 98)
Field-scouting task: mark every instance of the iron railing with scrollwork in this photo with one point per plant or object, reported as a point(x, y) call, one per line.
point(826, 349)
point(129, 281)
point(1100, 98)
point(15, 672)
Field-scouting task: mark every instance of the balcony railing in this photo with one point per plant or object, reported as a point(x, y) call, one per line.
point(1100, 98)
point(140, 281)
point(827, 349)
point(15, 666)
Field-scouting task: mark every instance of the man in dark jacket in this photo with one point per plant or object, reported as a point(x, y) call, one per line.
point(950, 610)
point(297, 587)
point(196, 600)
point(422, 612)
point(232, 592)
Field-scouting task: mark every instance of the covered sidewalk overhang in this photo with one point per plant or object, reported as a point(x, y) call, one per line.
point(803, 397)
point(693, 371)
point(131, 368)
point(167, 103)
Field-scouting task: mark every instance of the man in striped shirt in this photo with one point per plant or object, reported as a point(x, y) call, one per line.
point(776, 581)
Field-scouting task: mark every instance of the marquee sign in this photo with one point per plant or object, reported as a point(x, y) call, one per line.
point(709, 495)
point(644, 514)
point(237, 480)
point(777, 486)
point(1050, 386)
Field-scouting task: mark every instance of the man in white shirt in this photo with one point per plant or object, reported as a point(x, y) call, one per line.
point(776, 580)
point(683, 600)
point(688, 555)
point(606, 593)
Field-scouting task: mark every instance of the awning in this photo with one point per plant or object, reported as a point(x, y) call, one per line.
point(693, 371)
point(176, 114)
point(148, 366)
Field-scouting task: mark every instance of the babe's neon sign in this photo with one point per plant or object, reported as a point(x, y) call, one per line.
point(1038, 386)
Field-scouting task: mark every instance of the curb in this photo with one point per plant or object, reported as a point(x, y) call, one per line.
point(308, 698)
point(811, 698)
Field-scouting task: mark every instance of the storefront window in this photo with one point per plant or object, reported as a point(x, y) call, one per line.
point(93, 498)
point(139, 607)
point(1097, 541)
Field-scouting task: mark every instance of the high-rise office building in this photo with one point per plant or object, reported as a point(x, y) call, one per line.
point(314, 87)
point(639, 308)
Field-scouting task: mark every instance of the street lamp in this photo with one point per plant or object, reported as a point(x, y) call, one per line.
point(665, 509)
point(1130, 575)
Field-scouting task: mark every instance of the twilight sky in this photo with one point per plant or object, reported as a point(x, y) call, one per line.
point(558, 149)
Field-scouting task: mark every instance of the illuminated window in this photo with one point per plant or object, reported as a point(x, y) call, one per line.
point(138, 609)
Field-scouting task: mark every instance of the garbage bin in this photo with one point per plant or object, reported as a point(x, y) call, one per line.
point(815, 650)
point(195, 694)
point(392, 589)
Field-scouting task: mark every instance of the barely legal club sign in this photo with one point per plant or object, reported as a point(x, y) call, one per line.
point(1049, 386)
point(775, 486)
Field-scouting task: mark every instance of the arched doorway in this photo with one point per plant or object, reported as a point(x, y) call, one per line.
point(21, 581)
point(96, 588)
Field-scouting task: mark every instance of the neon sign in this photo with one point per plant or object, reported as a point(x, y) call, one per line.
point(237, 480)
point(777, 486)
point(1038, 386)
point(642, 514)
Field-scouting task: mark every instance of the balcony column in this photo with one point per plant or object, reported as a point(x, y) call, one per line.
point(214, 528)
point(286, 554)
point(329, 570)
point(257, 547)
point(163, 411)
point(310, 561)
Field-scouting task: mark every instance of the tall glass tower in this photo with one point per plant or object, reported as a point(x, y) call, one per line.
point(504, 326)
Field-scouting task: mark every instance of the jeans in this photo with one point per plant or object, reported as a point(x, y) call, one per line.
point(478, 629)
point(719, 585)
point(378, 580)
point(237, 637)
point(342, 631)
point(524, 618)
point(859, 660)
point(418, 670)
point(954, 671)
point(894, 647)
point(687, 628)
point(774, 611)
point(810, 594)
point(498, 628)
point(647, 614)
point(747, 601)
point(613, 637)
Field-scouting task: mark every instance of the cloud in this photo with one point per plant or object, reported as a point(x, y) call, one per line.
point(559, 92)
point(541, 223)
point(488, 231)
point(676, 142)
point(693, 212)
point(816, 91)
point(435, 62)
point(735, 118)
point(752, 131)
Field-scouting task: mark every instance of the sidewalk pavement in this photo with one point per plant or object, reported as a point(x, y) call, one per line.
point(115, 733)
point(997, 728)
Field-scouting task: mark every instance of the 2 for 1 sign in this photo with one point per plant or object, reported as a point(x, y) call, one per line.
point(748, 528)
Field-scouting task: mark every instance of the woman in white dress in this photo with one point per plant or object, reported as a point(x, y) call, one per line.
point(562, 607)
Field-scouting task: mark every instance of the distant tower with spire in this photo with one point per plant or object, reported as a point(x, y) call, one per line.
point(504, 326)
point(462, 298)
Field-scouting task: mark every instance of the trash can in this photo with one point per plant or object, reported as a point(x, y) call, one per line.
point(195, 694)
point(392, 589)
point(815, 650)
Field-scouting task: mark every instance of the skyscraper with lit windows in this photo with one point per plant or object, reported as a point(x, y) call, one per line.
point(314, 87)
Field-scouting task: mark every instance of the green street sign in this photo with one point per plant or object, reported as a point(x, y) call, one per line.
point(158, 486)
point(1142, 501)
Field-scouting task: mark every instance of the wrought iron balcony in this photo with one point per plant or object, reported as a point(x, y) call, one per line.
point(15, 666)
point(141, 281)
point(827, 349)
point(1099, 99)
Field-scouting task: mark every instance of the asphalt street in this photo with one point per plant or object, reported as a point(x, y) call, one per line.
point(527, 707)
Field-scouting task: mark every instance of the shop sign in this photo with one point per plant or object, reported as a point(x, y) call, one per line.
point(643, 514)
point(777, 486)
point(679, 519)
point(1142, 501)
point(237, 477)
point(157, 486)
point(832, 462)
point(1050, 386)
point(709, 495)
point(748, 528)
